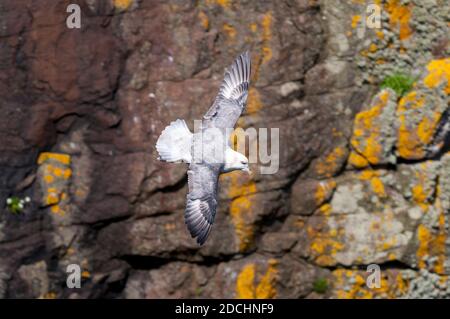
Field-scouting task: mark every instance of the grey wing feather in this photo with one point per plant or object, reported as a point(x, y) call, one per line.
point(233, 93)
point(201, 200)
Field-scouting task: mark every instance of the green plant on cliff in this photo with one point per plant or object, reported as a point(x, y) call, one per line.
point(399, 82)
point(320, 285)
point(16, 205)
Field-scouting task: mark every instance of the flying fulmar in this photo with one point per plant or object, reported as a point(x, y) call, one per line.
point(208, 151)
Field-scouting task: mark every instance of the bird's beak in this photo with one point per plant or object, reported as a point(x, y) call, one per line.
point(247, 170)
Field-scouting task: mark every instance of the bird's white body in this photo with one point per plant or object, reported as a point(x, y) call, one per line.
point(176, 142)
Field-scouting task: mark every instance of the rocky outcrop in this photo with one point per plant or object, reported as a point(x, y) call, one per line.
point(363, 176)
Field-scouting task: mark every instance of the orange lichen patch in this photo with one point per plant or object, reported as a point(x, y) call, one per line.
point(52, 198)
point(351, 284)
point(266, 287)
point(415, 135)
point(85, 274)
point(373, 48)
point(299, 223)
point(337, 133)
point(241, 189)
point(368, 174)
point(375, 182)
point(330, 164)
point(266, 24)
point(230, 31)
point(386, 245)
point(439, 241)
point(245, 282)
point(438, 72)
point(378, 187)
point(324, 244)
point(421, 193)
point(424, 238)
point(223, 3)
point(56, 209)
point(399, 16)
point(67, 173)
point(254, 103)
point(61, 158)
point(325, 209)
point(53, 173)
point(49, 295)
point(246, 287)
point(355, 21)
point(239, 208)
point(366, 131)
point(427, 127)
point(48, 179)
point(57, 172)
point(419, 196)
point(357, 161)
point(379, 34)
point(122, 4)
point(204, 21)
point(432, 243)
point(409, 145)
point(323, 191)
point(264, 54)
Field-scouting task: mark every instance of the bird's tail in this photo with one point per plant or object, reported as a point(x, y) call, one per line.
point(174, 143)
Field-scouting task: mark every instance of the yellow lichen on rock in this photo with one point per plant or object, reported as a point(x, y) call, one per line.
point(399, 16)
point(330, 164)
point(378, 187)
point(230, 31)
point(323, 191)
point(424, 239)
point(254, 103)
point(122, 4)
point(413, 136)
point(204, 21)
point(266, 24)
point(53, 173)
point(422, 190)
point(432, 243)
point(357, 161)
point(225, 4)
point(355, 21)
point(324, 243)
point(245, 282)
point(376, 183)
point(352, 284)
point(419, 113)
point(367, 130)
point(246, 287)
point(61, 158)
point(241, 190)
point(438, 72)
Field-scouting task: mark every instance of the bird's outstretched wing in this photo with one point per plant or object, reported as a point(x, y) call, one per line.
point(232, 97)
point(201, 200)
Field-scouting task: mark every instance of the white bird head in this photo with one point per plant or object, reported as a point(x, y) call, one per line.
point(235, 161)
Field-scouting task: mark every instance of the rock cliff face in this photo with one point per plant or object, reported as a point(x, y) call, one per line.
point(364, 172)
